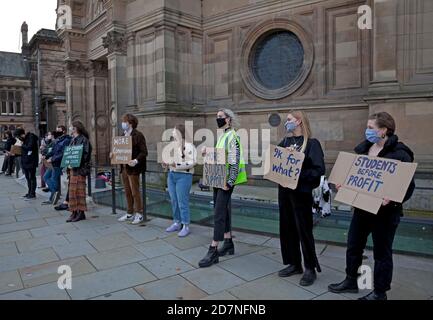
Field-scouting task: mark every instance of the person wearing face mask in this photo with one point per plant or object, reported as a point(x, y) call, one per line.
point(29, 159)
point(179, 181)
point(131, 172)
point(46, 145)
point(78, 175)
point(236, 174)
point(380, 141)
point(54, 158)
point(296, 220)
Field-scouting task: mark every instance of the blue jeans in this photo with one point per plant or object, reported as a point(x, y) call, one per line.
point(179, 185)
point(51, 178)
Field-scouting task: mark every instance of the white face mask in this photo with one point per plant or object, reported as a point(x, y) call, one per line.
point(125, 126)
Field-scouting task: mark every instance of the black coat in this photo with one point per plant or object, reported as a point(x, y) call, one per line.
point(313, 167)
point(9, 143)
point(84, 168)
point(393, 149)
point(139, 152)
point(30, 151)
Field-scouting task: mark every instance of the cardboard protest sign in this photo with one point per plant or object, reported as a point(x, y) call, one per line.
point(365, 181)
point(72, 156)
point(16, 150)
point(214, 168)
point(283, 166)
point(121, 149)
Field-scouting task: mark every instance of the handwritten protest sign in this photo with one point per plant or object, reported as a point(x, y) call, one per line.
point(283, 166)
point(214, 168)
point(121, 149)
point(365, 181)
point(72, 156)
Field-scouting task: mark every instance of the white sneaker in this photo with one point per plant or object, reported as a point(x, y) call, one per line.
point(125, 217)
point(138, 218)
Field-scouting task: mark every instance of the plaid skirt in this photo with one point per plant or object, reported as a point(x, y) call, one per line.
point(77, 193)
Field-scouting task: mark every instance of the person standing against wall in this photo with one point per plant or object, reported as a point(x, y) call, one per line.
point(380, 141)
point(296, 219)
point(236, 174)
point(77, 182)
point(179, 181)
point(131, 172)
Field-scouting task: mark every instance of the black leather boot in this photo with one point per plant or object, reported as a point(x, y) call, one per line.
point(80, 216)
point(228, 247)
point(308, 278)
point(290, 271)
point(374, 296)
point(72, 217)
point(349, 285)
point(210, 258)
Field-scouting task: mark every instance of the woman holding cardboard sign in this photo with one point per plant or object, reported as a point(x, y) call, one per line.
point(236, 174)
point(380, 142)
point(77, 180)
point(296, 220)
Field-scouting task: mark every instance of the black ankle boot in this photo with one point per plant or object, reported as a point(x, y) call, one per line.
point(374, 295)
point(72, 217)
point(290, 271)
point(308, 278)
point(228, 247)
point(80, 216)
point(349, 285)
point(210, 258)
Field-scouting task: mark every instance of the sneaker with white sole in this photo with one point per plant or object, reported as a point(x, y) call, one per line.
point(174, 227)
point(184, 232)
point(138, 218)
point(125, 217)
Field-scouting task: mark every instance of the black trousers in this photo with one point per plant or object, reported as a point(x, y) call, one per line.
point(31, 180)
point(222, 213)
point(296, 228)
point(382, 227)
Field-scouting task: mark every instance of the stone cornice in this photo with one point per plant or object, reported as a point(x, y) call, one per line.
point(252, 11)
point(165, 15)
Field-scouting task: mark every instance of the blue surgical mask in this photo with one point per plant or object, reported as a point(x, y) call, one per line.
point(125, 126)
point(290, 126)
point(372, 135)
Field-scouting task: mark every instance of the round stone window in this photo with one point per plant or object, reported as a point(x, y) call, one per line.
point(276, 59)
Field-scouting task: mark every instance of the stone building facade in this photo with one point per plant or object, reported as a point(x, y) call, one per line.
point(16, 90)
point(32, 84)
point(168, 61)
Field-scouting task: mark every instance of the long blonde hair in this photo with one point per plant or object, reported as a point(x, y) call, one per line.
point(305, 126)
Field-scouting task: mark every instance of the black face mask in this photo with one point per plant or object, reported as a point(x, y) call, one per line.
point(221, 122)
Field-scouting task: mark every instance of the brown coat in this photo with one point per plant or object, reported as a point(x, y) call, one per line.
point(139, 152)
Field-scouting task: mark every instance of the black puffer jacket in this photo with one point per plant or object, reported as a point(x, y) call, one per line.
point(84, 168)
point(393, 149)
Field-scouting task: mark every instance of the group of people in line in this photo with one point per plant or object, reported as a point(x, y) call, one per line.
point(295, 206)
point(48, 154)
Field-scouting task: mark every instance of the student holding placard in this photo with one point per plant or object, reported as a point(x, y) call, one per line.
point(296, 220)
point(236, 174)
point(380, 141)
point(179, 181)
point(79, 173)
point(131, 171)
